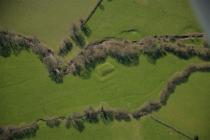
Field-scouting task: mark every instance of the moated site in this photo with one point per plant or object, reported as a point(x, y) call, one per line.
point(103, 69)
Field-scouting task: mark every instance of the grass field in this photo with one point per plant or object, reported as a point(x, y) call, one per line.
point(188, 108)
point(27, 93)
point(49, 20)
point(145, 17)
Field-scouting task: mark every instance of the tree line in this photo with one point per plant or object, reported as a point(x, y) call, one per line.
point(19, 132)
point(125, 52)
point(179, 78)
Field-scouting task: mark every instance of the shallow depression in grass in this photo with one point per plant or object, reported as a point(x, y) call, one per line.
point(104, 71)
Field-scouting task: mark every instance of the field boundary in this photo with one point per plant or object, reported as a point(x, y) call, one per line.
point(171, 127)
point(93, 11)
point(124, 51)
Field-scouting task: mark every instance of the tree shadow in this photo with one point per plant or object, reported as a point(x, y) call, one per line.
point(79, 125)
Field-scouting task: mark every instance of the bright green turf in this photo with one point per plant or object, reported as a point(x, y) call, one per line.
point(149, 17)
point(186, 118)
point(49, 20)
point(26, 92)
point(188, 108)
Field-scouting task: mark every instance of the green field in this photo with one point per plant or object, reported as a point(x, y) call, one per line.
point(49, 20)
point(190, 103)
point(126, 87)
point(27, 93)
point(147, 17)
